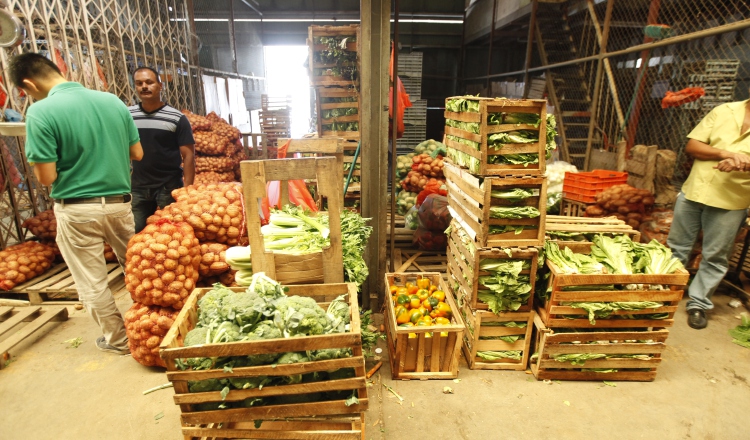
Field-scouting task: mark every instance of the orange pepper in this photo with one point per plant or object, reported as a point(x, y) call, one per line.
point(442, 321)
point(443, 310)
point(427, 320)
point(402, 315)
point(411, 288)
point(394, 289)
point(439, 294)
point(423, 283)
point(402, 291)
point(432, 288)
point(426, 304)
point(415, 315)
point(423, 294)
point(414, 302)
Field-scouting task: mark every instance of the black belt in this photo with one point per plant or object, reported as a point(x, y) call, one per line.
point(111, 199)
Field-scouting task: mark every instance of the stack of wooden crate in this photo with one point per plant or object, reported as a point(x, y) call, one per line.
point(479, 236)
point(334, 74)
point(624, 345)
point(275, 120)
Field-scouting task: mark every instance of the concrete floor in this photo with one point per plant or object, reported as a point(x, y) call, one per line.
point(702, 391)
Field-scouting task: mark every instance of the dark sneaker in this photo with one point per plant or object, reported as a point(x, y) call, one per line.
point(697, 318)
point(102, 345)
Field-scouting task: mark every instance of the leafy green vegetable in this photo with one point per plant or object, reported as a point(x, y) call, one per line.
point(741, 334)
point(513, 212)
point(615, 253)
point(495, 229)
point(569, 262)
point(605, 309)
point(514, 195)
point(462, 105)
point(654, 258)
point(498, 355)
point(497, 140)
point(471, 127)
point(499, 265)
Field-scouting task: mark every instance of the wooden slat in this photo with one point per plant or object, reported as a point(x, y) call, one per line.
point(18, 318)
point(52, 314)
point(41, 280)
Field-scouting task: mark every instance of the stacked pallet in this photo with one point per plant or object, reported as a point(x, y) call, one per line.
point(334, 74)
point(275, 120)
point(498, 208)
point(588, 326)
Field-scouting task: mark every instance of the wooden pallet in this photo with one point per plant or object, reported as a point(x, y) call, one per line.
point(423, 352)
point(482, 325)
point(328, 427)
point(463, 268)
point(37, 317)
point(548, 343)
point(406, 261)
point(572, 208)
point(470, 200)
point(555, 314)
point(172, 349)
point(403, 236)
point(494, 105)
point(57, 283)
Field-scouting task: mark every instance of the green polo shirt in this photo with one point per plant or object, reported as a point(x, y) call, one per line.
point(88, 134)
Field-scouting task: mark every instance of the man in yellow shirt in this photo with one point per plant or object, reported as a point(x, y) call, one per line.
point(714, 198)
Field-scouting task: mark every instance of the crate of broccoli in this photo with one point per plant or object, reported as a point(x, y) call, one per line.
point(266, 352)
point(618, 283)
point(338, 112)
point(498, 136)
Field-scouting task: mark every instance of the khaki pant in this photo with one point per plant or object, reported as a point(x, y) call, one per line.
point(82, 230)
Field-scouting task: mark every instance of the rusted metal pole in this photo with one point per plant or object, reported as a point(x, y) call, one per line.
point(529, 47)
point(492, 40)
point(598, 79)
point(394, 136)
point(653, 14)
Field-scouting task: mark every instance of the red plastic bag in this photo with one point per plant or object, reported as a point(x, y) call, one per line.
point(403, 102)
point(298, 193)
point(434, 214)
point(676, 99)
point(430, 240)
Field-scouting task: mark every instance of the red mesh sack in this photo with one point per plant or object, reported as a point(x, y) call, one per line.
point(42, 225)
point(430, 240)
point(216, 211)
point(162, 263)
point(434, 214)
point(214, 177)
point(197, 122)
point(146, 326)
point(210, 143)
point(23, 262)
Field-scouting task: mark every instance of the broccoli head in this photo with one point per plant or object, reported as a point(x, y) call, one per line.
point(197, 336)
point(202, 386)
point(300, 316)
point(292, 357)
point(329, 353)
point(245, 383)
point(244, 308)
point(226, 332)
point(209, 305)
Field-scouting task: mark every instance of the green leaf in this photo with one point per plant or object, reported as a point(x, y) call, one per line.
point(224, 392)
point(610, 384)
point(159, 416)
point(352, 400)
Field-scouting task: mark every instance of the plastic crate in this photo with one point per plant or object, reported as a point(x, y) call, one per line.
point(583, 187)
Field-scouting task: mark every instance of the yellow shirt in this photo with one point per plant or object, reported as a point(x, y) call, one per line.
point(720, 129)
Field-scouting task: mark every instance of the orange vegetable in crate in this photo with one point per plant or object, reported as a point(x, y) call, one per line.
point(402, 299)
point(402, 291)
point(442, 310)
point(423, 294)
point(411, 288)
point(415, 315)
point(442, 321)
point(393, 289)
point(402, 315)
point(423, 283)
point(414, 302)
point(430, 303)
point(439, 294)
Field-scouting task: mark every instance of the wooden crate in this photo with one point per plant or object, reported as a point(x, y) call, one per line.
point(587, 225)
point(319, 267)
point(555, 314)
point(331, 31)
point(481, 325)
point(171, 350)
point(463, 269)
point(423, 357)
point(329, 427)
point(470, 200)
point(36, 317)
point(324, 93)
point(548, 343)
point(572, 208)
point(495, 105)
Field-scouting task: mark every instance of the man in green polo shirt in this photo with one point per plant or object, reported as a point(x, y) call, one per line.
point(81, 142)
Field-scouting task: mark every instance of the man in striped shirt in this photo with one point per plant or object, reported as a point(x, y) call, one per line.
point(168, 143)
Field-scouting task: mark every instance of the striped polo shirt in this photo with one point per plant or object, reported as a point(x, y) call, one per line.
point(162, 133)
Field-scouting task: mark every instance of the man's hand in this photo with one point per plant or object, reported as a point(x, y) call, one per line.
point(736, 162)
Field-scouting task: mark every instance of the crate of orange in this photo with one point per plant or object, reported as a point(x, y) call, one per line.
point(424, 327)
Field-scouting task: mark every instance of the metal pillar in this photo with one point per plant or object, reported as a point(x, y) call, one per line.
point(598, 79)
point(492, 40)
point(375, 36)
point(233, 37)
point(529, 47)
point(653, 14)
point(394, 136)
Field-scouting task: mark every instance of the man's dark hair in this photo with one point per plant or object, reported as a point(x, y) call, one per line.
point(31, 66)
point(150, 69)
